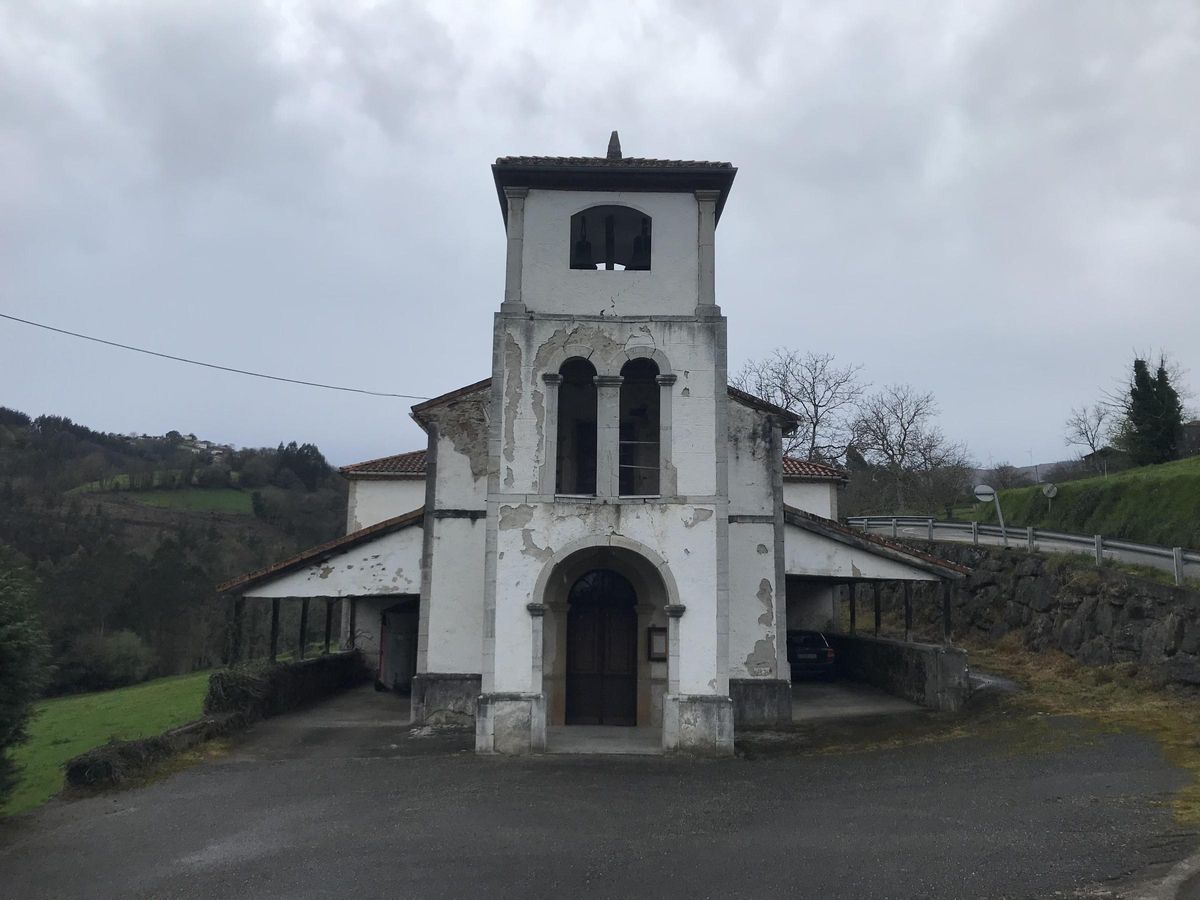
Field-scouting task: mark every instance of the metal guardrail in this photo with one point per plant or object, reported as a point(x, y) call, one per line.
point(1181, 562)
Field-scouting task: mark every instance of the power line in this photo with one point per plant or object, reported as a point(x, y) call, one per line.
point(196, 362)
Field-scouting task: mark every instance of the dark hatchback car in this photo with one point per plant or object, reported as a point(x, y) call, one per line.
point(809, 655)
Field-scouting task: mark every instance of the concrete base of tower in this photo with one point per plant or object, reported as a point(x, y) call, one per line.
point(513, 724)
point(698, 724)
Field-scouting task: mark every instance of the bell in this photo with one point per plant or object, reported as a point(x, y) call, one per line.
point(640, 258)
point(581, 254)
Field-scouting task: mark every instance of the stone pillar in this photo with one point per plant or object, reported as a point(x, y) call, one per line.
point(707, 243)
point(608, 434)
point(667, 483)
point(549, 473)
point(513, 302)
point(698, 724)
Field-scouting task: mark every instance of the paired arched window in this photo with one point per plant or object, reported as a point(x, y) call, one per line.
point(639, 432)
point(576, 463)
point(610, 237)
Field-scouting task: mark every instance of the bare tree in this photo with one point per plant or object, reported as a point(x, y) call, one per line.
point(896, 433)
point(1005, 476)
point(1089, 426)
point(815, 388)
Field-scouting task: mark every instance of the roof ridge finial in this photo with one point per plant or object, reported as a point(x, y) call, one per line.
point(614, 146)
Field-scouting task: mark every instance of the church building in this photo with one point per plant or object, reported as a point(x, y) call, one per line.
point(603, 532)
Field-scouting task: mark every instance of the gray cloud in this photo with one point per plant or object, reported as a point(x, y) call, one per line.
point(995, 201)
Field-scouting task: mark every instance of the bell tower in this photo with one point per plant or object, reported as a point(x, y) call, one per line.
point(607, 446)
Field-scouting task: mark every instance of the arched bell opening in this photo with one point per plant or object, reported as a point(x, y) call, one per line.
point(611, 238)
point(604, 640)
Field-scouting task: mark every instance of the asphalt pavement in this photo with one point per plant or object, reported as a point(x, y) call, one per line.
point(345, 801)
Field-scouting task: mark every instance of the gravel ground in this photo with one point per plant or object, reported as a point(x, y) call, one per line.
point(341, 801)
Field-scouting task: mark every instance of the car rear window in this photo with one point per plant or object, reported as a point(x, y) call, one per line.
point(806, 639)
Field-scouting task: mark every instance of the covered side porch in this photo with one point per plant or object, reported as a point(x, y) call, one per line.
point(366, 585)
point(830, 568)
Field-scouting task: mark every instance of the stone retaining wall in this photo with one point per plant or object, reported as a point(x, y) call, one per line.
point(1098, 615)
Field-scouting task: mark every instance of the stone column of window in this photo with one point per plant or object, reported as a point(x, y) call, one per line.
point(549, 472)
point(608, 434)
point(516, 248)
point(707, 244)
point(674, 611)
point(666, 471)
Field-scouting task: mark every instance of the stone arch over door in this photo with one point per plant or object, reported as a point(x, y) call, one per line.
point(655, 588)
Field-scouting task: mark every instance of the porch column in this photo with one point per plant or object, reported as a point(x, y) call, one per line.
point(946, 589)
point(907, 610)
point(239, 614)
point(274, 628)
point(303, 627)
point(351, 637)
point(853, 607)
point(608, 434)
point(876, 587)
point(328, 622)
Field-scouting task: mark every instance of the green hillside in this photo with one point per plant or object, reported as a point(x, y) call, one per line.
point(1153, 504)
point(227, 500)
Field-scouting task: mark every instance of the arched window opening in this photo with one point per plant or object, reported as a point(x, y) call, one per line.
point(610, 237)
point(576, 464)
point(639, 454)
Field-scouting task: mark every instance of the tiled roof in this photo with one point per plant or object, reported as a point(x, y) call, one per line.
point(321, 551)
point(874, 544)
point(412, 463)
point(628, 162)
point(807, 469)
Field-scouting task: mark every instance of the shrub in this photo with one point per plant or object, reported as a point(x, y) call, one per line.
point(22, 656)
point(99, 662)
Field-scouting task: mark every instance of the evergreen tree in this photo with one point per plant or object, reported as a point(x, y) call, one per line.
point(1154, 415)
point(22, 653)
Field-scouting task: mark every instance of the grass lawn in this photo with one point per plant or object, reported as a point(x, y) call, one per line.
point(1152, 504)
point(67, 726)
point(225, 500)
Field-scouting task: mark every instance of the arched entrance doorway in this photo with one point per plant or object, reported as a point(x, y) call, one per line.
point(633, 594)
point(602, 658)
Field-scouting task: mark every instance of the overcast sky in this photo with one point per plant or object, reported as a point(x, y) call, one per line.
point(998, 202)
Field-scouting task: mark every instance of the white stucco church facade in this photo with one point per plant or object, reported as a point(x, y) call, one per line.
point(602, 532)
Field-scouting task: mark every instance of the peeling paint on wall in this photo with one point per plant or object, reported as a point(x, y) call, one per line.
point(529, 548)
point(766, 596)
point(463, 423)
point(697, 516)
point(761, 549)
point(512, 517)
point(760, 662)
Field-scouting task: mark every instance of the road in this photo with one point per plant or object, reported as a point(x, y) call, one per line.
point(342, 801)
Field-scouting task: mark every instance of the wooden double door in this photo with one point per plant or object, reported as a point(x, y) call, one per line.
point(602, 650)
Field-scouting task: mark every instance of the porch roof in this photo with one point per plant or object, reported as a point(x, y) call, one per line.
point(873, 545)
point(322, 551)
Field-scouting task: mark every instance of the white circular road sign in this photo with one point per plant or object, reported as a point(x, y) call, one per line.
point(984, 493)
